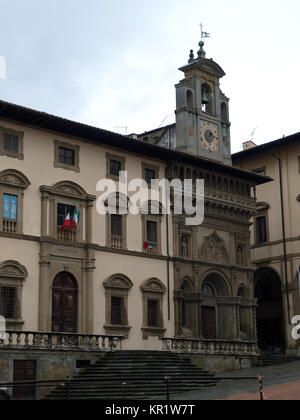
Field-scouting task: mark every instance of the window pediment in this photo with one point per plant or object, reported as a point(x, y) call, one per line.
point(13, 269)
point(153, 286)
point(14, 178)
point(68, 189)
point(263, 206)
point(118, 281)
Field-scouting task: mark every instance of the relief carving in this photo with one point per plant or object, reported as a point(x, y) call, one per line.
point(214, 250)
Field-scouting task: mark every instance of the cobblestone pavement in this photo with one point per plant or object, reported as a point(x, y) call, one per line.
point(281, 382)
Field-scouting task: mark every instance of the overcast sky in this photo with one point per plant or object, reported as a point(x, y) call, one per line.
point(115, 63)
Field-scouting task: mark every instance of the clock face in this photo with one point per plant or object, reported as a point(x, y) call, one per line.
point(210, 137)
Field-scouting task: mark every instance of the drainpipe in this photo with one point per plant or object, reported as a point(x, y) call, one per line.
point(283, 235)
point(168, 248)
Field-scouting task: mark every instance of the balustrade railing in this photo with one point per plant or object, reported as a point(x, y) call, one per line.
point(230, 197)
point(224, 347)
point(60, 341)
point(9, 226)
point(66, 235)
point(116, 242)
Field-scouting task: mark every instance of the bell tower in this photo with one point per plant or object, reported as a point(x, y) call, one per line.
point(202, 110)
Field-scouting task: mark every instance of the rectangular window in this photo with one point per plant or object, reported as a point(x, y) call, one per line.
point(115, 167)
point(66, 156)
point(116, 225)
point(62, 211)
point(10, 143)
point(8, 302)
point(117, 310)
point(152, 232)
point(261, 230)
point(153, 313)
point(150, 174)
point(10, 207)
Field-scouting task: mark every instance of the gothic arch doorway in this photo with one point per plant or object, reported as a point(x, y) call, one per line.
point(213, 319)
point(64, 303)
point(270, 317)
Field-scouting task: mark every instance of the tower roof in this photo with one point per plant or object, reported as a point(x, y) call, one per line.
point(202, 63)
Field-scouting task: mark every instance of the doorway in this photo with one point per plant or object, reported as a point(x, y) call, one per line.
point(64, 303)
point(270, 317)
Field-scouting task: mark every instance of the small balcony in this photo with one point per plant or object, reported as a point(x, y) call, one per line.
point(9, 226)
point(116, 242)
point(66, 235)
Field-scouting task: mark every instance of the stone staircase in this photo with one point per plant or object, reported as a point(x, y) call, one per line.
point(265, 361)
point(144, 372)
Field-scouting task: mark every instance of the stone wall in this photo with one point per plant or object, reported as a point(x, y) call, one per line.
point(49, 365)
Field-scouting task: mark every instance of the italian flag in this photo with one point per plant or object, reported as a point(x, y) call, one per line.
point(76, 218)
point(149, 245)
point(67, 222)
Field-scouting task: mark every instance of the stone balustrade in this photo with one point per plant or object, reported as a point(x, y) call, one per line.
point(212, 347)
point(228, 197)
point(9, 226)
point(28, 340)
point(116, 242)
point(66, 235)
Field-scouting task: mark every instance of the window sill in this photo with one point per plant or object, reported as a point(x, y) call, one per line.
point(14, 324)
point(153, 332)
point(117, 330)
point(19, 156)
point(67, 167)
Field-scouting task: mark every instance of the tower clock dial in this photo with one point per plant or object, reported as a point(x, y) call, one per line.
point(210, 137)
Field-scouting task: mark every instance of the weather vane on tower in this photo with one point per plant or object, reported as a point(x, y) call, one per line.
point(204, 34)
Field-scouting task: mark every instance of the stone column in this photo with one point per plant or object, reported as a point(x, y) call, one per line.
point(44, 294)
point(44, 215)
point(89, 302)
point(88, 218)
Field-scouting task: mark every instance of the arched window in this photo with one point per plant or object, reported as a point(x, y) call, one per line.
point(185, 246)
point(226, 186)
point(208, 290)
point(213, 182)
point(207, 181)
point(220, 184)
point(207, 99)
point(242, 292)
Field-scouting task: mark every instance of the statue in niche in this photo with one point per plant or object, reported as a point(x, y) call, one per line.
point(240, 253)
point(214, 250)
point(184, 247)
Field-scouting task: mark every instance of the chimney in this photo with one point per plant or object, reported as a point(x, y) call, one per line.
point(249, 145)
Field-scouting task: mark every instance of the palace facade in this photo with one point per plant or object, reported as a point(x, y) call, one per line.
point(72, 291)
point(275, 240)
